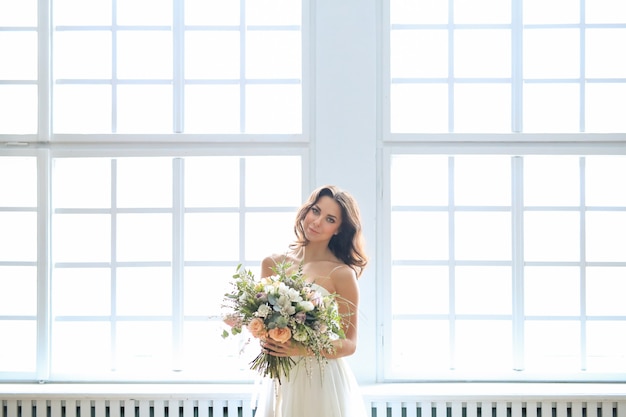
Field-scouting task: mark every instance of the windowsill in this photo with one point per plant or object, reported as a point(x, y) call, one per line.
point(372, 392)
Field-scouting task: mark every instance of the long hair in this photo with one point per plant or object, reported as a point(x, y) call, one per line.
point(348, 244)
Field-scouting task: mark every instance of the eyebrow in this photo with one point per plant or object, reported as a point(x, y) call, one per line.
point(328, 215)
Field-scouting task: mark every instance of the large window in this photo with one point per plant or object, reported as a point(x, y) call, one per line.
point(506, 249)
point(141, 251)
point(146, 149)
point(502, 66)
point(151, 67)
point(507, 267)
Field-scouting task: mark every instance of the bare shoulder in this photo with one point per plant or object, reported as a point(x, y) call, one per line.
point(343, 275)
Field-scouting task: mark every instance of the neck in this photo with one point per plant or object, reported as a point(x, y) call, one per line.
point(314, 252)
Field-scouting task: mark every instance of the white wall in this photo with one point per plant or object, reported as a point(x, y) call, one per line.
point(344, 73)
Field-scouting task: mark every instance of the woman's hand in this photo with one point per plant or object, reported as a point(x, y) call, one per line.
point(288, 348)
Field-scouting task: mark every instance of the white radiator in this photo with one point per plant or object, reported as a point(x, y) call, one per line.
point(125, 408)
point(99, 407)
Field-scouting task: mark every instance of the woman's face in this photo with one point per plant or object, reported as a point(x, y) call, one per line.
point(323, 220)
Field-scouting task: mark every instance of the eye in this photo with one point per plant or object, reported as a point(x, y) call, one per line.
point(330, 220)
point(315, 210)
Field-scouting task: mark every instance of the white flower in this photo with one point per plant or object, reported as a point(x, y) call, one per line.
point(306, 305)
point(263, 311)
point(283, 304)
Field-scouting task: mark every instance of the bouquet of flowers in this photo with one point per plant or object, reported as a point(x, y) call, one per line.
point(282, 307)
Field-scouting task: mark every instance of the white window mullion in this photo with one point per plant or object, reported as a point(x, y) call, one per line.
point(583, 269)
point(582, 76)
point(44, 269)
point(178, 227)
point(517, 245)
point(114, 265)
point(44, 81)
point(517, 75)
point(178, 85)
point(451, 263)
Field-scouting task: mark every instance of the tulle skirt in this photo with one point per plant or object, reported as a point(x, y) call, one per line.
point(312, 391)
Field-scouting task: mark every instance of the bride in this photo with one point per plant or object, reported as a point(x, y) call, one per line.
point(330, 249)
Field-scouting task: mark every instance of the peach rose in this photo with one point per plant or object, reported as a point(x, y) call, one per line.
point(281, 335)
point(257, 328)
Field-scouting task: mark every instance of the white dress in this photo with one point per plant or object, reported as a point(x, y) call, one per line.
point(312, 391)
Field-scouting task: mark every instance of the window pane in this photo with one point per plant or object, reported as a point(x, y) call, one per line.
point(82, 109)
point(482, 180)
point(419, 290)
point(482, 53)
point(22, 356)
point(144, 346)
point(542, 284)
point(20, 224)
point(482, 108)
point(212, 55)
point(419, 108)
point(551, 236)
point(81, 12)
point(144, 55)
point(483, 290)
point(212, 181)
point(82, 55)
point(482, 11)
point(18, 181)
point(419, 180)
point(552, 346)
point(133, 12)
point(274, 109)
point(551, 108)
point(551, 53)
point(606, 346)
point(419, 346)
point(491, 351)
point(268, 233)
point(81, 347)
point(81, 292)
point(19, 52)
point(264, 12)
point(551, 11)
point(283, 171)
point(18, 106)
point(605, 108)
point(144, 291)
point(485, 236)
point(273, 54)
point(421, 235)
point(604, 176)
point(82, 238)
point(606, 236)
point(602, 59)
point(144, 182)
point(205, 289)
point(212, 236)
point(202, 12)
point(144, 237)
point(606, 287)
point(418, 11)
point(90, 189)
point(18, 291)
point(605, 11)
point(551, 181)
point(421, 53)
point(212, 109)
point(144, 109)
point(22, 13)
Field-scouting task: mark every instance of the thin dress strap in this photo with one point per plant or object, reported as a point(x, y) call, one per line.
point(334, 269)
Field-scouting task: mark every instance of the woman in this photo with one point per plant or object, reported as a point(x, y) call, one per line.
point(329, 247)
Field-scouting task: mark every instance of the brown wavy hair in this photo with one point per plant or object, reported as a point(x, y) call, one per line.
point(348, 244)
